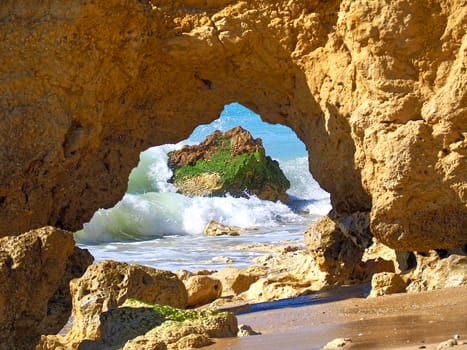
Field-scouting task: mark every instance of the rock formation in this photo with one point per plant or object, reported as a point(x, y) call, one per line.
point(214, 228)
point(228, 163)
point(386, 283)
point(285, 272)
point(376, 90)
point(201, 289)
point(433, 271)
point(35, 271)
point(141, 326)
point(235, 281)
point(108, 284)
point(337, 244)
point(118, 305)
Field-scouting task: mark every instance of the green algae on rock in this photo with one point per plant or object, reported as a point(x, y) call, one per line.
point(139, 325)
point(228, 163)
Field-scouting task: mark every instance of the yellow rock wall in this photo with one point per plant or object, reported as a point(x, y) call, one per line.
point(375, 89)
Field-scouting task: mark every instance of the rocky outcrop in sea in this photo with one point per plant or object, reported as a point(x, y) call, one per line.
point(230, 162)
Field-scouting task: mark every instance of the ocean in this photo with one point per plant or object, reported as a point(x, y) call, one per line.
point(154, 226)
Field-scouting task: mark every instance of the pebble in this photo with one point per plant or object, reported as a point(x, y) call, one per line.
point(245, 331)
point(338, 343)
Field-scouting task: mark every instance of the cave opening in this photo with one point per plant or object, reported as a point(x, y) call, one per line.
point(154, 225)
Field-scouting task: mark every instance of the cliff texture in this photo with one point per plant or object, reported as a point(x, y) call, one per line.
point(376, 90)
point(35, 271)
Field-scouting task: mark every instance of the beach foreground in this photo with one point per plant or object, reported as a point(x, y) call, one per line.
point(399, 321)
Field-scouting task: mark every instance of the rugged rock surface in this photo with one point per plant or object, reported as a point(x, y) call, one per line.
point(286, 271)
point(228, 163)
point(435, 272)
point(377, 91)
point(235, 280)
point(142, 326)
point(108, 284)
point(337, 244)
point(386, 283)
point(376, 259)
point(201, 288)
point(214, 228)
point(35, 271)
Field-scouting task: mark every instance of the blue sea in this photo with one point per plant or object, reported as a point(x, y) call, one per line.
point(154, 226)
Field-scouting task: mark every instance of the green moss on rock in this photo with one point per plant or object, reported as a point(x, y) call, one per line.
point(169, 313)
point(231, 162)
point(139, 325)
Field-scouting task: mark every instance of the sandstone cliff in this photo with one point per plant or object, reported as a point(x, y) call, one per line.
point(376, 90)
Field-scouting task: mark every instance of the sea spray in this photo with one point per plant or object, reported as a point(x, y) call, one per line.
point(305, 194)
point(155, 226)
point(152, 173)
point(152, 209)
point(152, 215)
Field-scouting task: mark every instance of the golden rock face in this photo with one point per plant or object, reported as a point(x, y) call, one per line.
point(376, 91)
point(37, 268)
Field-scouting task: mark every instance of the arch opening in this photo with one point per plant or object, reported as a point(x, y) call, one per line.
point(155, 226)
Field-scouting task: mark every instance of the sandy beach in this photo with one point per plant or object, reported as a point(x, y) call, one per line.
point(399, 321)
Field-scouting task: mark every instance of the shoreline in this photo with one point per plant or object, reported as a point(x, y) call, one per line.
point(398, 321)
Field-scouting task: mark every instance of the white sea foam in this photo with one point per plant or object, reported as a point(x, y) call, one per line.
point(152, 173)
point(154, 226)
point(151, 215)
point(306, 196)
point(151, 208)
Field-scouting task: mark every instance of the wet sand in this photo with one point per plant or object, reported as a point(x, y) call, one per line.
point(400, 321)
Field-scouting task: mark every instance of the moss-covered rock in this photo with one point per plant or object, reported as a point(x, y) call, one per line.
point(230, 162)
point(136, 325)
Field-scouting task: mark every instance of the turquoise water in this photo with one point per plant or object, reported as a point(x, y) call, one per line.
point(279, 141)
point(153, 225)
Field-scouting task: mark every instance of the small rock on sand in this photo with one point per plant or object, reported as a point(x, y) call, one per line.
point(245, 331)
point(451, 343)
point(338, 343)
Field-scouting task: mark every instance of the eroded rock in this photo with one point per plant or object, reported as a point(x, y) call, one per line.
point(275, 288)
point(143, 326)
point(337, 244)
point(60, 305)
point(214, 228)
point(202, 289)
point(35, 270)
point(383, 119)
point(235, 280)
point(385, 283)
point(283, 274)
point(435, 272)
point(107, 285)
point(376, 258)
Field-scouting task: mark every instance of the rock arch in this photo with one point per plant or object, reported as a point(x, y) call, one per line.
point(382, 110)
